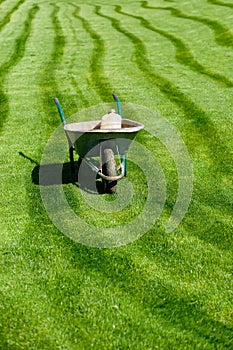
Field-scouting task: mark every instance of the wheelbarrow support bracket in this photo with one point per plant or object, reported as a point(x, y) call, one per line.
point(123, 157)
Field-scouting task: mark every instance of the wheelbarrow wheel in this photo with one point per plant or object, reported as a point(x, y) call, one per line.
point(109, 168)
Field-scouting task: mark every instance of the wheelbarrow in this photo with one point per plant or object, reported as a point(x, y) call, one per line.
point(90, 140)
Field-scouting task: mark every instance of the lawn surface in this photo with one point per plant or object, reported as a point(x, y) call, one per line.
point(165, 290)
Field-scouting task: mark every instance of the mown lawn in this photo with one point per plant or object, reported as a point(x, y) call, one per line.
point(165, 290)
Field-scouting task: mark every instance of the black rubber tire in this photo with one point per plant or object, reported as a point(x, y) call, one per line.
point(109, 169)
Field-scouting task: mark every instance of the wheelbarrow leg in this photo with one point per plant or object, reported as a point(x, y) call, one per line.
point(124, 161)
point(72, 166)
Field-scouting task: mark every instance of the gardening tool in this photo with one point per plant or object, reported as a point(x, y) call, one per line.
point(89, 140)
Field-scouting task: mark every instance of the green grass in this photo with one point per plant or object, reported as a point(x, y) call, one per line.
point(165, 290)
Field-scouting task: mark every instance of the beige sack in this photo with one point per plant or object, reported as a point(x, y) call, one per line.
point(112, 120)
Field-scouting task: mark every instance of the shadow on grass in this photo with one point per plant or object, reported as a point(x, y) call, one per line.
point(49, 175)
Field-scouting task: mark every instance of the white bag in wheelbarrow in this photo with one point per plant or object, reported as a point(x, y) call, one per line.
point(112, 120)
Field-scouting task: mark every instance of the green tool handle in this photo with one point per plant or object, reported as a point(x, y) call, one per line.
point(123, 156)
point(116, 98)
point(60, 111)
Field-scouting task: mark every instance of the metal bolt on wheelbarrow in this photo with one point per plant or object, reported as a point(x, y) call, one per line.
point(107, 139)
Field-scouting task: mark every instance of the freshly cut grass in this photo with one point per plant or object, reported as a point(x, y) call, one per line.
point(165, 290)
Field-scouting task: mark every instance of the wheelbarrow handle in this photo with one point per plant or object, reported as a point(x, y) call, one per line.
point(56, 101)
point(123, 157)
point(116, 98)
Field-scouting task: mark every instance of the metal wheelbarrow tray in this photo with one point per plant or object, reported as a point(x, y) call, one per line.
point(86, 137)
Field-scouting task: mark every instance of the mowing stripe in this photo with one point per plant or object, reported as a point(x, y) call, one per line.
point(49, 82)
point(7, 18)
point(19, 49)
point(223, 36)
point(220, 3)
point(20, 43)
point(59, 39)
point(194, 113)
point(30, 119)
point(183, 54)
point(99, 80)
point(82, 101)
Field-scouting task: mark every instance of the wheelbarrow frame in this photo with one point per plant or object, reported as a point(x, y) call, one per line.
point(88, 140)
